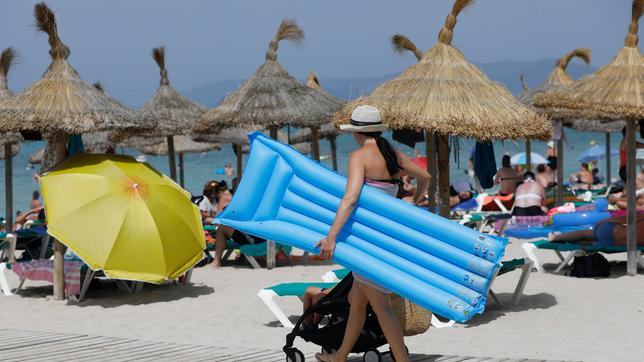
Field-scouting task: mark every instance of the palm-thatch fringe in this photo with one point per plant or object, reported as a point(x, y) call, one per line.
point(168, 113)
point(401, 43)
point(613, 92)
point(272, 97)
point(61, 101)
point(594, 125)
point(7, 58)
point(312, 81)
point(182, 144)
point(444, 93)
point(557, 79)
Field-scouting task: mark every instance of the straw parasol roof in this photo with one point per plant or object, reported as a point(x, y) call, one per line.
point(272, 97)
point(557, 79)
point(444, 93)
point(7, 58)
point(614, 92)
point(182, 144)
point(168, 113)
point(60, 101)
point(401, 43)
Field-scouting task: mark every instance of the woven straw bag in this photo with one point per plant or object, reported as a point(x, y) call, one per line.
point(413, 318)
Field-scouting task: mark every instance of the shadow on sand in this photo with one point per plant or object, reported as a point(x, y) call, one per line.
point(105, 294)
point(494, 311)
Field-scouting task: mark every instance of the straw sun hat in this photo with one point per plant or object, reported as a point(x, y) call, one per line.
point(365, 119)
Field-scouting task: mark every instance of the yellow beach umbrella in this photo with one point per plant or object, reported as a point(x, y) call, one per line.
point(123, 217)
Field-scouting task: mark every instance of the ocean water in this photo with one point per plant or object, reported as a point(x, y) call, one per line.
point(200, 168)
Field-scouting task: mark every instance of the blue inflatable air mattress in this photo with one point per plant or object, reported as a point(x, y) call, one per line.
point(439, 264)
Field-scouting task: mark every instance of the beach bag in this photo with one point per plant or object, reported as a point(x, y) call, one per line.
point(413, 318)
point(590, 266)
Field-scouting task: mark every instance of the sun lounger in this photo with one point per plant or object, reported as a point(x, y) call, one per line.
point(574, 249)
point(249, 251)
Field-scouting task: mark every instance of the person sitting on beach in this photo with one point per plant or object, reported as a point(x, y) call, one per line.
point(583, 178)
point(460, 191)
point(375, 163)
point(529, 197)
point(623, 154)
point(35, 204)
point(206, 204)
point(619, 198)
point(605, 233)
point(544, 177)
point(33, 214)
point(507, 177)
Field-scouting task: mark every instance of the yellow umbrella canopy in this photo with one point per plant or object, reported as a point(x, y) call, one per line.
point(446, 94)
point(124, 218)
point(614, 92)
point(272, 97)
point(60, 101)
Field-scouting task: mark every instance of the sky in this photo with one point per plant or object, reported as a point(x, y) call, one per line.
point(206, 41)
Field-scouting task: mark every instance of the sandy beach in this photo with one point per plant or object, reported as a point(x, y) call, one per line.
point(559, 317)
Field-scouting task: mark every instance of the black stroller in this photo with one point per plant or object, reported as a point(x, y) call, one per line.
point(334, 308)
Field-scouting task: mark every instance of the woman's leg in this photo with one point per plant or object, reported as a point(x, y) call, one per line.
point(221, 238)
point(389, 323)
point(357, 317)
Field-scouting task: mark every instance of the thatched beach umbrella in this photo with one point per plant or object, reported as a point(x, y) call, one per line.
point(57, 105)
point(272, 98)
point(445, 94)
point(327, 130)
point(556, 80)
point(401, 44)
point(168, 113)
point(10, 142)
point(182, 144)
point(614, 92)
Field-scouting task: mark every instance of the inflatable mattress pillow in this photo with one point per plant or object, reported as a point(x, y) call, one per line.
point(443, 266)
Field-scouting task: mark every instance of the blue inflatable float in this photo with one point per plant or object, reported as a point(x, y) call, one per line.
point(439, 264)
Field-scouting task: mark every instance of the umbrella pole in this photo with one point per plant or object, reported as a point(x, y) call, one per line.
point(430, 154)
point(560, 171)
point(334, 153)
point(608, 173)
point(181, 179)
point(270, 244)
point(171, 160)
point(55, 152)
point(8, 181)
point(443, 174)
point(315, 144)
point(631, 218)
point(238, 151)
point(528, 155)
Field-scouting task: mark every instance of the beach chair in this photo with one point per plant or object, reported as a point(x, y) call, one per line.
point(250, 251)
point(573, 250)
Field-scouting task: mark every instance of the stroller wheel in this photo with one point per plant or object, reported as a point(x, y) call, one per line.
point(392, 354)
point(372, 355)
point(294, 355)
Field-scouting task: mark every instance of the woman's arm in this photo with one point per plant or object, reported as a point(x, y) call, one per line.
point(422, 176)
point(352, 192)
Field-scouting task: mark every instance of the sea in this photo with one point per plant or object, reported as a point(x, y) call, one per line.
point(201, 168)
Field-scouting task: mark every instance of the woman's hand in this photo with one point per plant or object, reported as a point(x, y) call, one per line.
point(327, 247)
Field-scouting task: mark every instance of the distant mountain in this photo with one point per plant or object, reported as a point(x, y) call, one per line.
point(505, 72)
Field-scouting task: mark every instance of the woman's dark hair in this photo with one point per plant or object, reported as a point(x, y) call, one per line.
point(541, 167)
point(528, 176)
point(505, 161)
point(36, 195)
point(388, 152)
point(584, 165)
point(209, 188)
point(552, 162)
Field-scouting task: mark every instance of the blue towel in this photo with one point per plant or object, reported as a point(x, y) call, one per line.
point(485, 164)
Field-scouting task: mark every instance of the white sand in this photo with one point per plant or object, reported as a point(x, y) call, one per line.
point(558, 318)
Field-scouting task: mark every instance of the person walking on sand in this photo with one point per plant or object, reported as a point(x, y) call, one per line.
point(378, 165)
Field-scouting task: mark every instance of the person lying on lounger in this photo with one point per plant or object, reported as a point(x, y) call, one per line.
point(607, 232)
